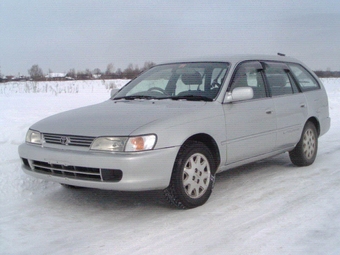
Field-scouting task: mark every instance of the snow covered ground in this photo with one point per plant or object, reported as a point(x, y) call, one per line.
point(269, 207)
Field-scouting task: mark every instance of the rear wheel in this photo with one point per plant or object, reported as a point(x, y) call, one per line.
point(305, 151)
point(192, 179)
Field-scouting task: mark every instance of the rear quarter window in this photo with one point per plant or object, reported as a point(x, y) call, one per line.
point(306, 81)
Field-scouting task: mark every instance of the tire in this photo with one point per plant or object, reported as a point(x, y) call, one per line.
point(192, 179)
point(304, 153)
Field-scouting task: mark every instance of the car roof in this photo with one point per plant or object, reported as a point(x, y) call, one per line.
point(233, 59)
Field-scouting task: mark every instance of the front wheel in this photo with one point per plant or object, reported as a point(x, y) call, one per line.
point(305, 151)
point(192, 179)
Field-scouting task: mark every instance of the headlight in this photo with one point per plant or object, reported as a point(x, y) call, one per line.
point(141, 143)
point(33, 137)
point(116, 144)
point(109, 144)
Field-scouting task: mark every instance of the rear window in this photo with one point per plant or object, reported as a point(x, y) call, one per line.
point(306, 80)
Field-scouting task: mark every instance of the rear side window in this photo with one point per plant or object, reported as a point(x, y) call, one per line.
point(306, 80)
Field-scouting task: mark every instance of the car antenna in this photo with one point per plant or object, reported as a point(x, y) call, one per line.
point(281, 54)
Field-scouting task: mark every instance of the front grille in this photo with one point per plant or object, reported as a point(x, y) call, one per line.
point(75, 172)
point(69, 140)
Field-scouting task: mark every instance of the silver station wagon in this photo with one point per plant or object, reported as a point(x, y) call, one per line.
point(177, 125)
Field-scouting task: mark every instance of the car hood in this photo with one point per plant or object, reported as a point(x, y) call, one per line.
point(114, 118)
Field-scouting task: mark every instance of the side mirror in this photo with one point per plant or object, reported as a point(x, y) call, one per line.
point(113, 92)
point(239, 94)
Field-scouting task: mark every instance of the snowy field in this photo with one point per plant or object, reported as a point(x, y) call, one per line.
point(269, 207)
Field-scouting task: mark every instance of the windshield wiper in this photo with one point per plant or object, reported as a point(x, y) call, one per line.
point(134, 97)
point(187, 97)
point(192, 98)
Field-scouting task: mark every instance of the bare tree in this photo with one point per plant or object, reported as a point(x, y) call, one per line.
point(109, 69)
point(72, 73)
point(88, 72)
point(35, 72)
point(148, 65)
point(96, 71)
point(131, 72)
point(119, 73)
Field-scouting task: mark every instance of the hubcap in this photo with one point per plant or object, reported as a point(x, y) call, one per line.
point(196, 175)
point(309, 143)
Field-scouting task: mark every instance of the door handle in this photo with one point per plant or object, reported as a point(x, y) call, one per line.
point(302, 105)
point(269, 112)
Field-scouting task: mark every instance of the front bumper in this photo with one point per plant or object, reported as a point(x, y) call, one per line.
point(148, 170)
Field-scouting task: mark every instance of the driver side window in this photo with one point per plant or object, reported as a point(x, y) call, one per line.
point(249, 74)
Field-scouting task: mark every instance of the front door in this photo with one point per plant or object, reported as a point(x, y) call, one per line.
point(250, 124)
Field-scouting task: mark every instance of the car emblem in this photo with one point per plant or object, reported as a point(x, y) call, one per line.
point(64, 140)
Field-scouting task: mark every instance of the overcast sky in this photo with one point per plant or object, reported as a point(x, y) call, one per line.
point(80, 34)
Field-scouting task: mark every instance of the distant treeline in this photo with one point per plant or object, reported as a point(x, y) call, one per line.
point(36, 74)
point(328, 74)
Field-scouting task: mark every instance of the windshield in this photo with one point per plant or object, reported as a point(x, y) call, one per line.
point(187, 81)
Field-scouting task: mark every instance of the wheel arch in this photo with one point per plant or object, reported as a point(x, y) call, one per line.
point(316, 123)
point(210, 142)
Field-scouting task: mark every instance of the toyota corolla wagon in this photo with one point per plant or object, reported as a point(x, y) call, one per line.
point(177, 125)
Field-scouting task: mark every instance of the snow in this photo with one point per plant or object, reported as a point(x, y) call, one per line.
point(268, 207)
point(55, 75)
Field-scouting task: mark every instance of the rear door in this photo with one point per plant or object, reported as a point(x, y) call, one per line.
point(290, 104)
